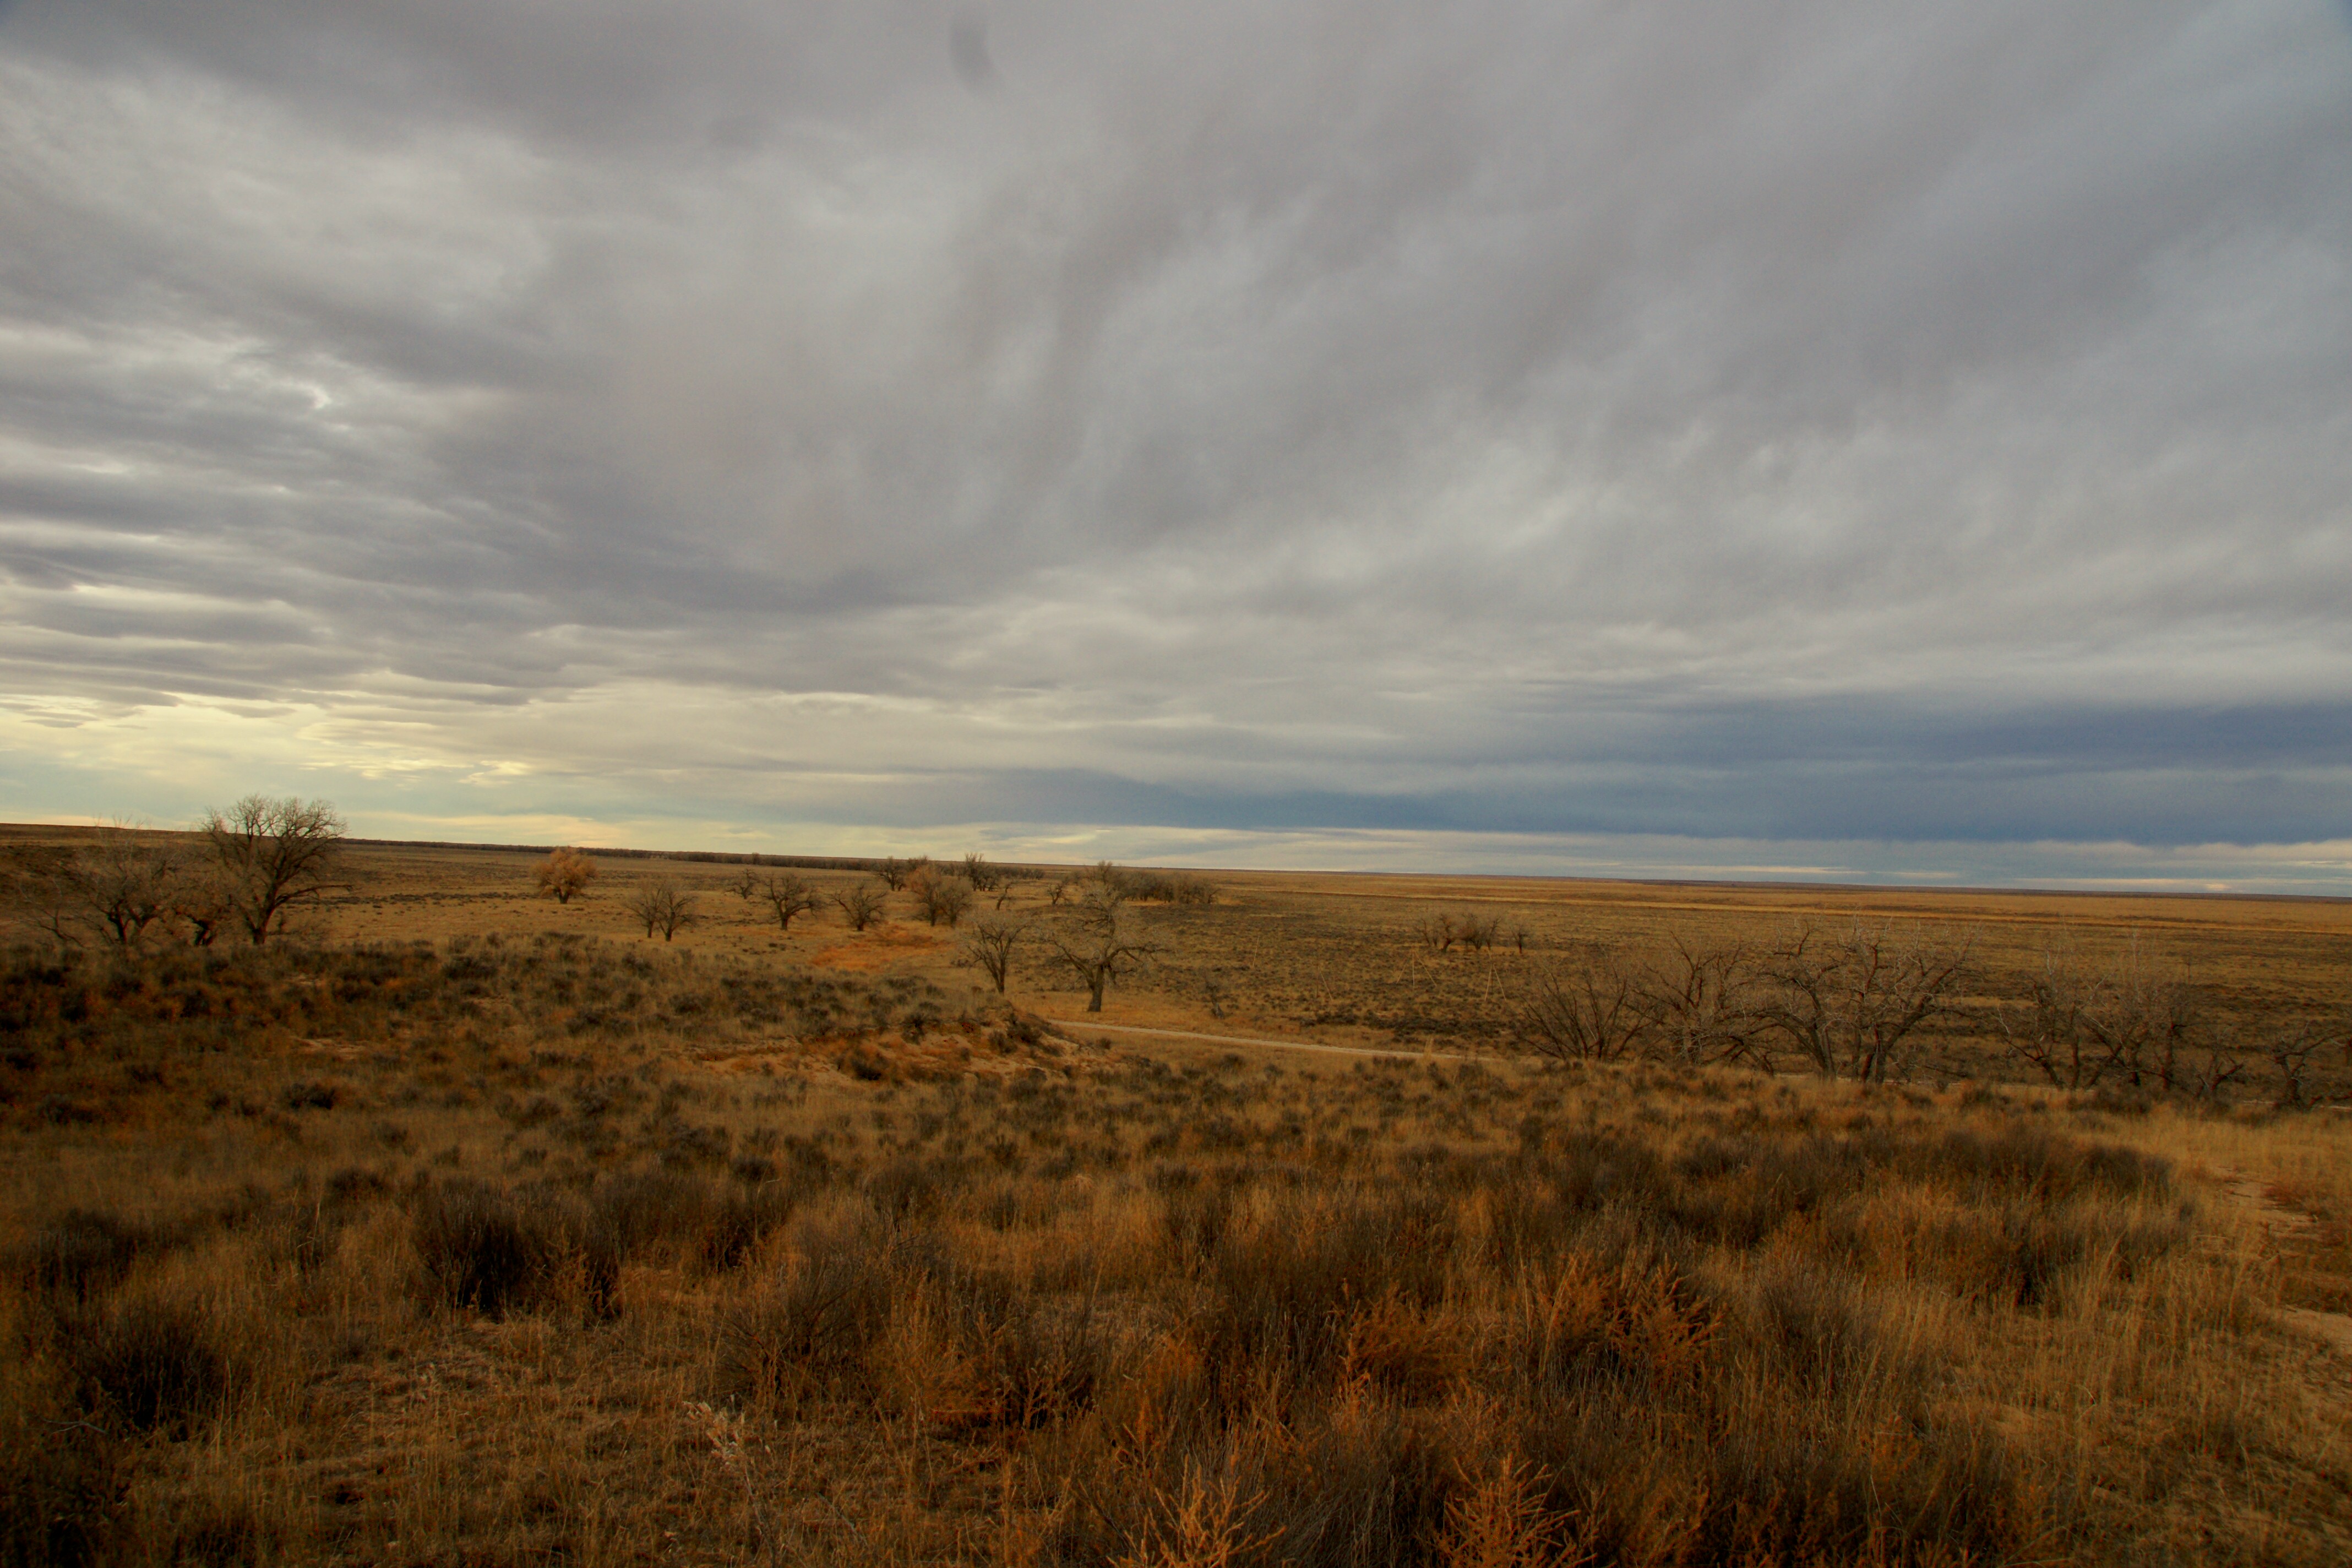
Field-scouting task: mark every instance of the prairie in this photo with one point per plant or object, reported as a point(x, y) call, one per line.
point(458, 1225)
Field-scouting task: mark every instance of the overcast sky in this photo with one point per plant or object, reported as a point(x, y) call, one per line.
point(1862, 438)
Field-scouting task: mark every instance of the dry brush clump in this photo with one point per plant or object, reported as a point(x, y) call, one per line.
point(517, 1250)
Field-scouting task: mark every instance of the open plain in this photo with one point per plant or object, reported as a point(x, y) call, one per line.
point(457, 1224)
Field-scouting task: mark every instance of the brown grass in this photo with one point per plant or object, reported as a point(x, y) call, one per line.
point(463, 1248)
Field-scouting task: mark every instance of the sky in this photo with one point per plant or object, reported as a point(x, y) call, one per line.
point(1859, 439)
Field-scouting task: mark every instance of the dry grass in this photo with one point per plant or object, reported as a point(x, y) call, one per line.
point(1343, 959)
point(564, 1247)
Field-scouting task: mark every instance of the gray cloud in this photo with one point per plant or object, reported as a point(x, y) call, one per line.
point(1821, 423)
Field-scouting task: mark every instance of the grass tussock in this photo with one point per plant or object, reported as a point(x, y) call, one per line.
point(755, 1267)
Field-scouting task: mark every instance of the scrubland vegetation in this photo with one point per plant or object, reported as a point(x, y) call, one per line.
point(577, 1245)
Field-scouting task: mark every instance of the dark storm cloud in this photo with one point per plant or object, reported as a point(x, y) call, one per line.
point(1814, 421)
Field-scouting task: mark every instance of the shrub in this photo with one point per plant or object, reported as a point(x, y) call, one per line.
point(814, 1329)
point(153, 1363)
point(493, 1251)
point(82, 1253)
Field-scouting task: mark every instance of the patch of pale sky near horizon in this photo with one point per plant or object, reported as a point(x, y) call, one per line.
point(1325, 405)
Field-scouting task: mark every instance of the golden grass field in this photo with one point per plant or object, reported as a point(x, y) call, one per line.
point(1333, 957)
point(458, 1226)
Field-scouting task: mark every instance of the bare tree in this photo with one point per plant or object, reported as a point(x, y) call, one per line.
point(661, 906)
point(1097, 946)
point(942, 897)
point(1436, 932)
point(2140, 1016)
point(983, 877)
point(2133, 1018)
point(1849, 1003)
point(127, 882)
point(1586, 1011)
point(564, 875)
point(200, 902)
point(861, 905)
point(116, 889)
point(745, 884)
point(789, 894)
point(2050, 1032)
point(896, 873)
point(2291, 1051)
point(1473, 932)
point(991, 942)
point(1701, 1003)
point(272, 855)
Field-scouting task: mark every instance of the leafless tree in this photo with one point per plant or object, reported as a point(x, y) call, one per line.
point(1059, 889)
point(127, 882)
point(271, 856)
point(789, 894)
point(2219, 1068)
point(1702, 1003)
point(661, 906)
point(745, 884)
point(2293, 1048)
point(1097, 946)
point(942, 897)
point(564, 875)
point(1849, 1003)
point(2050, 1032)
point(1586, 1010)
point(116, 889)
point(983, 877)
point(1473, 932)
point(861, 905)
point(990, 941)
point(2140, 1016)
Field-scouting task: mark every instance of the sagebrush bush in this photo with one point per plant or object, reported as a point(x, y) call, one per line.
point(496, 1251)
point(156, 1363)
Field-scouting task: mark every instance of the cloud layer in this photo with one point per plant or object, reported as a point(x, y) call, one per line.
point(1837, 423)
